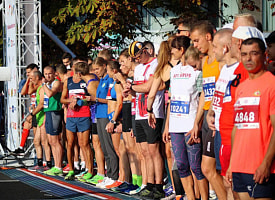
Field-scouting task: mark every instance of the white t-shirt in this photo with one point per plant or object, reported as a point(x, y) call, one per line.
point(222, 93)
point(142, 74)
point(184, 98)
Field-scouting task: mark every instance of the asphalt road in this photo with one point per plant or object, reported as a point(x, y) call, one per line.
point(11, 189)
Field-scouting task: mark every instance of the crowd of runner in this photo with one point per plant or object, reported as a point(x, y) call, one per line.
point(187, 122)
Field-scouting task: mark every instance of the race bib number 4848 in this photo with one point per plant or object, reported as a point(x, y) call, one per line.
point(246, 113)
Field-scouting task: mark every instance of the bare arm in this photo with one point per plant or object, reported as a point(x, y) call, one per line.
point(25, 88)
point(145, 87)
point(263, 171)
point(92, 88)
point(54, 90)
point(64, 95)
point(152, 94)
point(32, 88)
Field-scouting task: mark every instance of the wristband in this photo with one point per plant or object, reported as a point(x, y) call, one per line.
point(96, 100)
point(149, 111)
point(31, 114)
point(113, 122)
point(131, 87)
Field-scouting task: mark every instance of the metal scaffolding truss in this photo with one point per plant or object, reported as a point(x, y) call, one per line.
point(29, 45)
point(28, 50)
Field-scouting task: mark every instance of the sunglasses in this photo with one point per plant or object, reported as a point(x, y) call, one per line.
point(138, 56)
point(178, 31)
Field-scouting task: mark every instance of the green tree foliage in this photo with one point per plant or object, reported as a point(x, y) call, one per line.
point(96, 20)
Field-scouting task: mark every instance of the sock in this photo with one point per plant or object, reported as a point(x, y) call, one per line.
point(134, 179)
point(57, 167)
point(212, 192)
point(49, 164)
point(159, 187)
point(100, 174)
point(83, 165)
point(150, 186)
point(139, 180)
point(76, 165)
point(24, 137)
point(40, 162)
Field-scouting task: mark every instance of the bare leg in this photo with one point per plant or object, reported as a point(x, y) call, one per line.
point(142, 164)
point(83, 140)
point(187, 183)
point(99, 156)
point(157, 161)
point(124, 161)
point(45, 142)
point(208, 167)
point(116, 142)
point(70, 148)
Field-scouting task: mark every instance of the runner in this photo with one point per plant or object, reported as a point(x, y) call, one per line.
point(148, 137)
point(253, 133)
point(52, 107)
point(40, 136)
point(202, 36)
point(78, 121)
point(180, 117)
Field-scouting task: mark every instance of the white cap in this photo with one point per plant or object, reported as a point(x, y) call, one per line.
point(245, 32)
point(229, 25)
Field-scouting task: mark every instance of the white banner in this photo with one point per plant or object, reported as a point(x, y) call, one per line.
point(11, 45)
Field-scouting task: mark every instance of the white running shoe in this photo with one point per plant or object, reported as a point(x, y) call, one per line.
point(106, 181)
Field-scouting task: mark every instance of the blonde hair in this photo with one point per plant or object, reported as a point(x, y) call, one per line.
point(192, 52)
point(250, 19)
point(164, 56)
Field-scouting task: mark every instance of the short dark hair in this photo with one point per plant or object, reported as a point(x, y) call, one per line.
point(66, 55)
point(49, 67)
point(99, 61)
point(204, 26)
point(149, 45)
point(61, 69)
point(82, 68)
point(114, 65)
point(250, 41)
point(181, 41)
point(79, 59)
point(32, 66)
point(38, 73)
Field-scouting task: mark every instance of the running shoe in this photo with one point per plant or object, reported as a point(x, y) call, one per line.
point(70, 176)
point(86, 177)
point(158, 194)
point(125, 187)
point(136, 191)
point(168, 191)
point(44, 168)
point(212, 196)
point(146, 194)
point(81, 174)
point(18, 152)
point(35, 168)
point(95, 180)
point(66, 169)
point(169, 197)
point(115, 184)
point(54, 172)
point(106, 181)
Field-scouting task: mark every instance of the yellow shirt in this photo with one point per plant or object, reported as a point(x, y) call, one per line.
point(210, 74)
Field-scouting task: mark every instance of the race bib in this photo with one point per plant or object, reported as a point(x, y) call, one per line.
point(33, 99)
point(227, 95)
point(209, 87)
point(179, 106)
point(217, 101)
point(246, 113)
point(108, 96)
point(46, 101)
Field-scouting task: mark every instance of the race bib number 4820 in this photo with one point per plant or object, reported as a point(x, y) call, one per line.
point(246, 113)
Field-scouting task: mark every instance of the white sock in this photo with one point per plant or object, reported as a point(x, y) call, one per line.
point(76, 165)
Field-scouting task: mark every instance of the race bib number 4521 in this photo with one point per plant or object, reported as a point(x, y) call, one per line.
point(179, 106)
point(209, 87)
point(246, 113)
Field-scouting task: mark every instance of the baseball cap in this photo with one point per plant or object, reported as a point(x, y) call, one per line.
point(245, 32)
point(135, 47)
point(271, 38)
